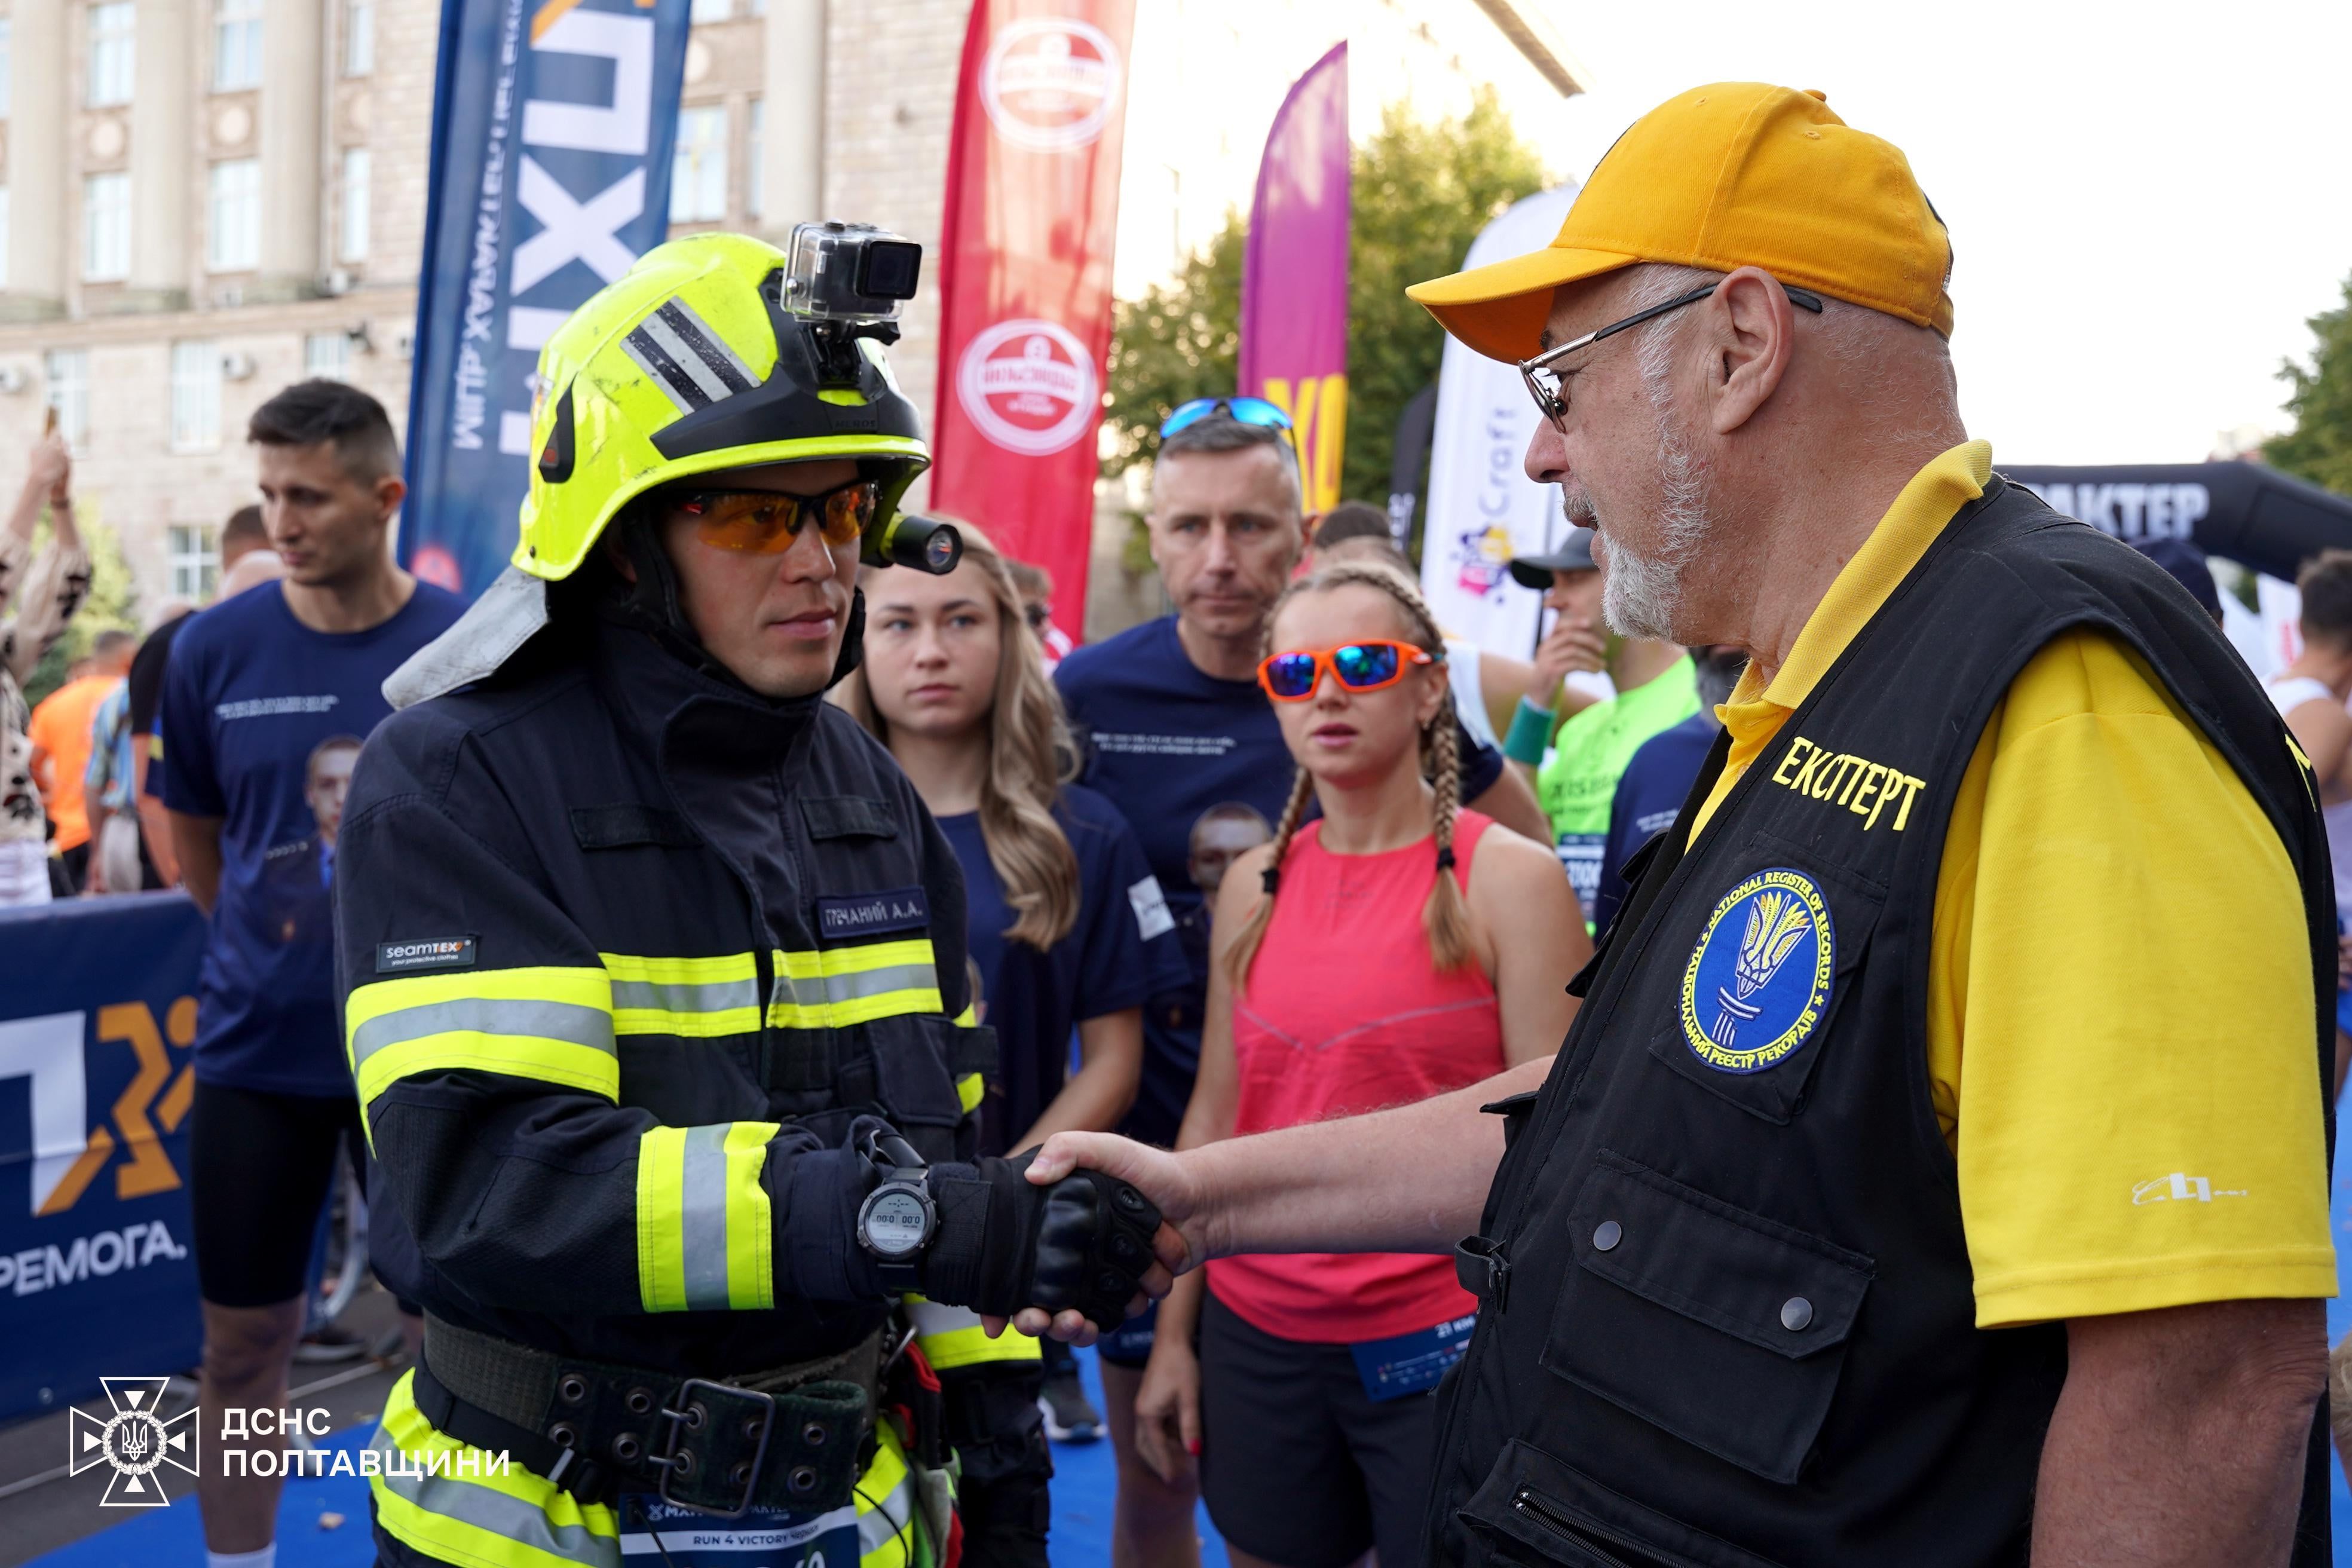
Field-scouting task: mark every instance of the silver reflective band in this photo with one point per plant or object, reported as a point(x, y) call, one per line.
point(500, 1513)
point(685, 996)
point(815, 990)
point(702, 1218)
point(566, 1021)
point(890, 1518)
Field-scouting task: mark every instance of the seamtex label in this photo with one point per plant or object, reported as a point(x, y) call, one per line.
point(900, 908)
point(399, 957)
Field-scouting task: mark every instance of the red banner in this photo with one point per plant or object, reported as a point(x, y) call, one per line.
point(1024, 330)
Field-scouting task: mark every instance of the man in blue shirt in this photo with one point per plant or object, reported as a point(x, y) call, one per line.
point(1650, 791)
point(264, 702)
point(1184, 743)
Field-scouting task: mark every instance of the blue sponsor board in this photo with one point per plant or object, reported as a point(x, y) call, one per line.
point(98, 1012)
point(552, 126)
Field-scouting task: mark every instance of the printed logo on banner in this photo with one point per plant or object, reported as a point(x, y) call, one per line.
point(1050, 83)
point(1485, 558)
point(1029, 386)
point(135, 1443)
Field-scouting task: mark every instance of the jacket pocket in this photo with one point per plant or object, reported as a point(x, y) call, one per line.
point(921, 1064)
point(1759, 1049)
point(1719, 1326)
point(1535, 1508)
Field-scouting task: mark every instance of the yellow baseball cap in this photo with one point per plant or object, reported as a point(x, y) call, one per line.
point(1734, 175)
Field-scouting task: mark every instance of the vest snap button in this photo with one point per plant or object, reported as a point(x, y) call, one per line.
point(1607, 1235)
point(1796, 1314)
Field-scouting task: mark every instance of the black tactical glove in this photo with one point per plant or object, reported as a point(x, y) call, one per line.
point(1003, 1244)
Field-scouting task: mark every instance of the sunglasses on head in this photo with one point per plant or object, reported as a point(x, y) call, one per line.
point(1357, 665)
point(1245, 410)
point(765, 522)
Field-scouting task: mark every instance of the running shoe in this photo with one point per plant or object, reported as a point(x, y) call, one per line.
point(330, 1343)
point(1069, 1418)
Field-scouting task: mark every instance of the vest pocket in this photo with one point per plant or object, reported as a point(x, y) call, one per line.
point(1784, 1013)
point(1535, 1508)
point(920, 1065)
point(1719, 1326)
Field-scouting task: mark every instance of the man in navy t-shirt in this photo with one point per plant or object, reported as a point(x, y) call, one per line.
point(266, 699)
point(1651, 790)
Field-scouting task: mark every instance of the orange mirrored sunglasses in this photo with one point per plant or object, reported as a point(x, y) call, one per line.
point(764, 522)
point(1357, 665)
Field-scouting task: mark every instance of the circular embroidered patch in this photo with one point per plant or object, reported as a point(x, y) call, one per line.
point(1759, 978)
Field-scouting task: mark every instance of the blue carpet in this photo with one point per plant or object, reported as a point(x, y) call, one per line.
point(1084, 1481)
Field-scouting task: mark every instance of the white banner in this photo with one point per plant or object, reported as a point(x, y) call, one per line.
point(1483, 508)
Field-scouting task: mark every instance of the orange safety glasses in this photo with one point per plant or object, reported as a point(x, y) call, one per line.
point(765, 522)
point(1357, 665)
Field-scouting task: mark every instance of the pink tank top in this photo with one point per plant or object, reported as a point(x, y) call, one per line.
point(1344, 1014)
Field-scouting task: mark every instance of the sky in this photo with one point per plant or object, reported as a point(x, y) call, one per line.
point(2147, 201)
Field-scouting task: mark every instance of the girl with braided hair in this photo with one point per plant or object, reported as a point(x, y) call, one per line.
point(1396, 947)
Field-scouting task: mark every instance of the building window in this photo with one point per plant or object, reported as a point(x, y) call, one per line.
point(105, 228)
point(233, 226)
point(195, 560)
point(328, 354)
point(236, 45)
point(112, 42)
point(351, 240)
point(755, 159)
point(698, 170)
point(712, 11)
point(69, 378)
point(5, 89)
point(359, 37)
point(195, 397)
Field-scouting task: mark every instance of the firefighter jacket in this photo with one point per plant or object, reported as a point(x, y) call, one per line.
point(627, 956)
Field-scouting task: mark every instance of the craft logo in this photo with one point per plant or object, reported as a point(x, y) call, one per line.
point(1050, 84)
point(135, 1443)
point(1759, 980)
point(1484, 557)
point(1029, 385)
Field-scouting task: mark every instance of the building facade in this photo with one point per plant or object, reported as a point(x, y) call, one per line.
point(207, 199)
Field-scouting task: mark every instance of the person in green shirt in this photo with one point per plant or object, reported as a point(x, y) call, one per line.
point(1575, 776)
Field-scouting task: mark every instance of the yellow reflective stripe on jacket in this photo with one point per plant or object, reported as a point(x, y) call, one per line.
point(951, 1337)
point(517, 1519)
point(554, 1025)
point(698, 998)
point(971, 1088)
point(704, 1224)
point(891, 1532)
point(836, 986)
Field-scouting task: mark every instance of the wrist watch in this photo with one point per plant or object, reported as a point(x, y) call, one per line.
point(897, 1219)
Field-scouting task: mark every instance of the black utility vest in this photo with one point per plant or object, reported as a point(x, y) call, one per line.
point(1727, 1319)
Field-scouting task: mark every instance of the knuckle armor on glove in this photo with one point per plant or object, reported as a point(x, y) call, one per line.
point(1004, 1244)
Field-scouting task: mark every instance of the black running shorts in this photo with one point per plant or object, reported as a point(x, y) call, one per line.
point(1299, 1465)
point(260, 1169)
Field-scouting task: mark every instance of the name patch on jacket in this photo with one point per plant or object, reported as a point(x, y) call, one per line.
point(448, 953)
point(1864, 787)
point(900, 908)
point(1759, 979)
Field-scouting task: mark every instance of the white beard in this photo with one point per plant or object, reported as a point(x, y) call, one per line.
point(1640, 593)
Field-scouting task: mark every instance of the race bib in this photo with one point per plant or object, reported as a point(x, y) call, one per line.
point(1411, 1364)
point(763, 1538)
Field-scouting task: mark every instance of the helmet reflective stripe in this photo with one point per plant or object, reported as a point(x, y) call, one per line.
point(685, 358)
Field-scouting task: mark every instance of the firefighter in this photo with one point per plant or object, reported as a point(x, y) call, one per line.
point(653, 985)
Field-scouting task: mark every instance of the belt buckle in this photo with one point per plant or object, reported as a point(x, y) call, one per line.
point(678, 1459)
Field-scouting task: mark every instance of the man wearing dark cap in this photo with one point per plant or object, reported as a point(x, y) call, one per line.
point(1576, 765)
point(1766, 1277)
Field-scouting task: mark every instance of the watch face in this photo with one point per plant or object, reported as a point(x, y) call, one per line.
point(895, 1222)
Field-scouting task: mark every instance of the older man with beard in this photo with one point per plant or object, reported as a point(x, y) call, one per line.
point(1765, 1277)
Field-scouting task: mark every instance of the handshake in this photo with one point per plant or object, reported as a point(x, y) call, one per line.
point(1052, 1248)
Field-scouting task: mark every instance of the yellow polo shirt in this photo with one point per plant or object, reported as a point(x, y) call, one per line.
point(2120, 974)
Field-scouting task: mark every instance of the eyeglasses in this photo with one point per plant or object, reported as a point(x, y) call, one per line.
point(1244, 410)
point(1545, 383)
point(1357, 665)
point(1039, 617)
point(765, 522)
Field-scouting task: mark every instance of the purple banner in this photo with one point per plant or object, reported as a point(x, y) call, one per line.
point(1294, 349)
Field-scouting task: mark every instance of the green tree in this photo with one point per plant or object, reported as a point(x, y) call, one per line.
point(2319, 447)
point(113, 602)
point(1423, 190)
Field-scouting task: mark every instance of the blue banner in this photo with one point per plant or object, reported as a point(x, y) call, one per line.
point(552, 126)
point(97, 1276)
